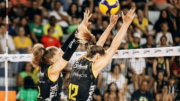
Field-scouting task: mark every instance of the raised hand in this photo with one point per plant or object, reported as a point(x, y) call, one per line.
point(87, 16)
point(113, 19)
point(129, 16)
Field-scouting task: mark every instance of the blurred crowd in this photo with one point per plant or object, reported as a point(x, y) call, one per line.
point(50, 22)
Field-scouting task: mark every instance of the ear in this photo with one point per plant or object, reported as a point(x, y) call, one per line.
point(52, 60)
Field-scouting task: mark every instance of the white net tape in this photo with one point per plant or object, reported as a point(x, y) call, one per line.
point(149, 52)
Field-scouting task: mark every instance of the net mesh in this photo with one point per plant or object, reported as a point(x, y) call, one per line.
point(123, 79)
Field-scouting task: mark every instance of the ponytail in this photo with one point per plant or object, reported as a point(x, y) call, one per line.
point(85, 36)
point(38, 51)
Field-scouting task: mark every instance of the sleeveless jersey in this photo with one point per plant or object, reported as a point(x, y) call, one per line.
point(82, 81)
point(161, 67)
point(48, 90)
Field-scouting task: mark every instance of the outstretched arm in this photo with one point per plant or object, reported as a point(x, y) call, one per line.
point(113, 21)
point(104, 60)
point(85, 23)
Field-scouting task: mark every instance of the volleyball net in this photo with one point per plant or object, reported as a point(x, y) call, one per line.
point(139, 59)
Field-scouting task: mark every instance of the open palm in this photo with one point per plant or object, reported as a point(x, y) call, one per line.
point(129, 16)
point(87, 16)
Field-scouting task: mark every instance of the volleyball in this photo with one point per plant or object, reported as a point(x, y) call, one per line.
point(109, 6)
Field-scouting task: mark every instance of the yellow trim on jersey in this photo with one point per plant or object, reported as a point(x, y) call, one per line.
point(86, 58)
point(49, 76)
point(39, 92)
point(93, 71)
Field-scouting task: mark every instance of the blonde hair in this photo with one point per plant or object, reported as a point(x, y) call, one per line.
point(42, 55)
point(85, 36)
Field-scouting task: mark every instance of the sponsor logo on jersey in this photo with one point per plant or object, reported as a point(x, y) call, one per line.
point(79, 75)
point(53, 91)
point(41, 74)
point(91, 90)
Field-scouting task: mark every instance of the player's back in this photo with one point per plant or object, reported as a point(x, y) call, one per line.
point(82, 81)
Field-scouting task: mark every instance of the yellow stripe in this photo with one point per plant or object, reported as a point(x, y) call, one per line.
point(93, 71)
point(49, 76)
point(86, 58)
point(39, 92)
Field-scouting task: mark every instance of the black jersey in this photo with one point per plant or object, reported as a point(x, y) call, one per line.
point(82, 81)
point(161, 67)
point(48, 90)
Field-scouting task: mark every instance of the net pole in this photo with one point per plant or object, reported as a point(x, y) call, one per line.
point(6, 60)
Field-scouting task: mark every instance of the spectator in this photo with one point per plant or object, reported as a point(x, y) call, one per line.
point(47, 4)
point(116, 76)
point(26, 71)
point(158, 84)
point(21, 41)
point(49, 40)
point(115, 31)
point(142, 94)
point(164, 27)
point(23, 23)
point(60, 15)
point(112, 92)
point(140, 3)
point(161, 65)
point(160, 4)
point(163, 42)
point(164, 94)
point(177, 21)
point(11, 11)
point(124, 63)
point(10, 27)
point(36, 29)
point(73, 11)
point(137, 67)
point(28, 92)
point(164, 17)
point(58, 33)
point(32, 11)
point(176, 38)
point(149, 60)
point(73, 26)
point(11, 45)
point(172, 87)
point(135, 43)
point(21, 2)
point(141, 22)
point(176, 68)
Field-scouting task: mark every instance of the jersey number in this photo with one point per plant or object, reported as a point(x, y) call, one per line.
point(75, 88)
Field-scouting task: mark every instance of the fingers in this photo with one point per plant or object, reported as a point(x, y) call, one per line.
point(90, 16)
point(122, 14)
point(132, 10)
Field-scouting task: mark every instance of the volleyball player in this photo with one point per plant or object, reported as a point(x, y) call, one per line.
point(52, 61)
point(84, 71)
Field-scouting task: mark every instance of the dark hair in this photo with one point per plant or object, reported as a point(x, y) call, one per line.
point(112, 69)
point(178, 18)
point(50, 29)
point(94, 49)
point(77, 11)
point(24, 66)
point(28, 83)
point(172, 77)
point(138, 9)
point(160, 17)
point(2, 25)
point(163, 37)
point(164, 22)
point(108, 89)
point(144, 81)
point(42, 55)
point(117, 24)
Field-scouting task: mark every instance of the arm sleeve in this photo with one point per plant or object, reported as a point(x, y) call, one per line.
point(72, 46)
point(71, 37)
